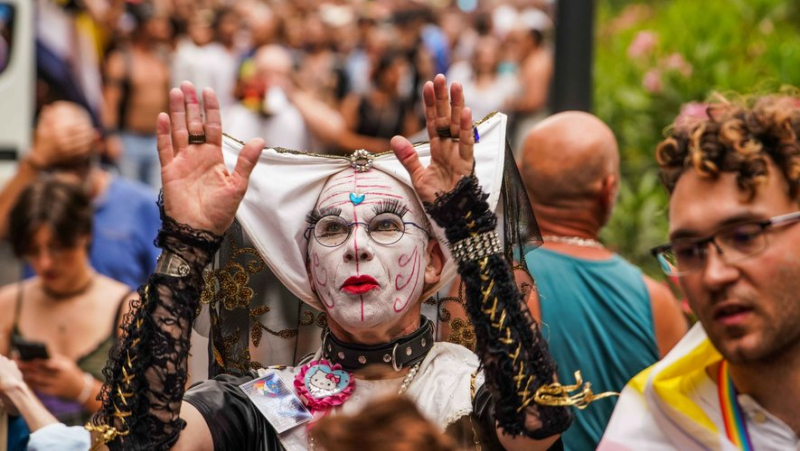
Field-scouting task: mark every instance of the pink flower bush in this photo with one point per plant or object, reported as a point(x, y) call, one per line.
point(690, 113)
point(643, 44)
point(676, 62)
point(652, 81)
point(631, 16)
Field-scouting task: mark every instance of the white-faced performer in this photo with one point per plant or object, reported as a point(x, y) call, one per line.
point(357, 242)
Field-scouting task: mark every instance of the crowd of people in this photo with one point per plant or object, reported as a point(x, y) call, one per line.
point(331, 76)
point(95, 337)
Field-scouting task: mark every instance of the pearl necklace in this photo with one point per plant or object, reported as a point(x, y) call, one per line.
point(409, 378)
point(573, 240)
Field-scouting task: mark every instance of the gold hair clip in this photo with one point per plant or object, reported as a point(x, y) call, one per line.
point(556, 394)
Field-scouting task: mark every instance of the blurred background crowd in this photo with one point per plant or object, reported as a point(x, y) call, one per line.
point(357, 66)
point(301, 67)
point(316, 75)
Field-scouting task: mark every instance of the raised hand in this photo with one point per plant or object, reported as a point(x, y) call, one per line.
point(64, 133)
point(199, 191)
point(449, 125)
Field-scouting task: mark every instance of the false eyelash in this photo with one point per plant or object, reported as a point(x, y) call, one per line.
point(315, 215)
point(391, 206)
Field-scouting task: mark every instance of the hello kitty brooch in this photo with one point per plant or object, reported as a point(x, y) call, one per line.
point(322, 385)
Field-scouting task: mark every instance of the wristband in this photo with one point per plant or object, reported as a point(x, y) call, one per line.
point(477, 247)
point(86, 391)
point(170, 264)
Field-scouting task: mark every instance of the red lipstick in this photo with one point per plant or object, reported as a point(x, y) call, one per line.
point(359, 284)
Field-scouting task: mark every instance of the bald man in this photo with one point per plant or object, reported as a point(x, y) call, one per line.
point(603, 315)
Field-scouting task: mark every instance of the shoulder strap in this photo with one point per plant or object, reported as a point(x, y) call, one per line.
point(18, 307)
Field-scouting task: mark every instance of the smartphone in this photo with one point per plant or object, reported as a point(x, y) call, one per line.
point(29, 350)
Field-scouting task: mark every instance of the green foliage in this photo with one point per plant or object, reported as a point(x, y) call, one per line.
point(651, 57)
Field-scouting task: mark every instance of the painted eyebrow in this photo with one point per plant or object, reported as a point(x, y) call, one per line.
point(315, 215)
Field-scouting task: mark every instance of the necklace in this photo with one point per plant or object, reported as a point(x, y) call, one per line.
point(573, 240)
point(409, 378)
point(69, 294)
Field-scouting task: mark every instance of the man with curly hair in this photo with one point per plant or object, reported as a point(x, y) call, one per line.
point(732, 382)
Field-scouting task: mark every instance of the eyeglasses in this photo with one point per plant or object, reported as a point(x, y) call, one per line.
point(385, 228)
point(735, 243)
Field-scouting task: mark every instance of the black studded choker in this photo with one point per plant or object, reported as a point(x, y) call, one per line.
point(400, 353)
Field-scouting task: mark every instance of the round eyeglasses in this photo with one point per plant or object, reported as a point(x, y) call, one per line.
point(733, 244)
point(385, 228)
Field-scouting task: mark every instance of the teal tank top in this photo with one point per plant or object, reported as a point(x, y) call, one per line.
point(598, 319)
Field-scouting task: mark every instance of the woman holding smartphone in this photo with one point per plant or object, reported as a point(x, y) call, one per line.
point(60, 324)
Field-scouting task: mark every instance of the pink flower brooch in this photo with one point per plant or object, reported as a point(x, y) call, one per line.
point(321, 385)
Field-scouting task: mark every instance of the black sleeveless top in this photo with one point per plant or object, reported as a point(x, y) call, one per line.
point(70, 412)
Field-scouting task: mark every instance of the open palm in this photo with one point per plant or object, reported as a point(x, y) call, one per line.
point(449, 125)
point(199, 191)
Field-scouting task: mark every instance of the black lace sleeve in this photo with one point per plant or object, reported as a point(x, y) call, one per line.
point(508, 340)
point(147, 373)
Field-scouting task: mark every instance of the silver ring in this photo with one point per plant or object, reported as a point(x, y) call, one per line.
point(197, 139)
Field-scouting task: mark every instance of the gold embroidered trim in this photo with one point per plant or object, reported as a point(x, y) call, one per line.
point(228, 284)
point(228, 287)
point(462, 333)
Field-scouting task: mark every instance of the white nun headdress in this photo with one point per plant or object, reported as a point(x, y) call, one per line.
point(285, 185)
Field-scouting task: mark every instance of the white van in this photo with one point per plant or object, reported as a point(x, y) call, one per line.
point(17, 81)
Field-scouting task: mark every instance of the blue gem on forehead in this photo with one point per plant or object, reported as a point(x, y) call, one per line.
point(356, 198)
